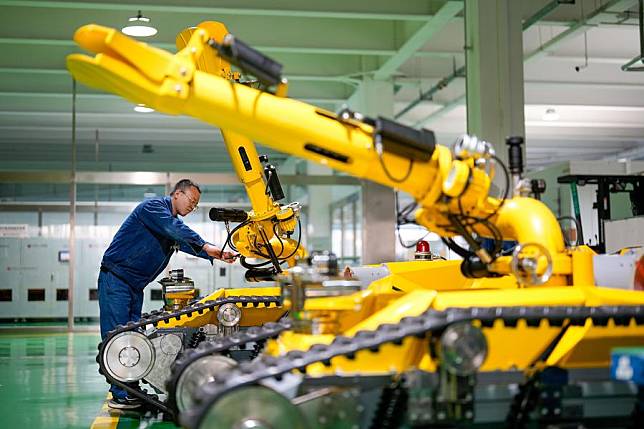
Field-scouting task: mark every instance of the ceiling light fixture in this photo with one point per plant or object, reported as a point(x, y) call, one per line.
point(142, 108)
point(550, 115)
point(139, 26)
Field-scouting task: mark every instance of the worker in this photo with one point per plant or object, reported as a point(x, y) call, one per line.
point(139, 252)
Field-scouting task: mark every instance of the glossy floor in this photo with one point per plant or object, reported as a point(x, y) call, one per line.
point(51, 381)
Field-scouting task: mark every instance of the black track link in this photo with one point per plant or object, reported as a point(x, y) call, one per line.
point(255, 334)
point(392, 407)
point(431, 321)
point(157, 316)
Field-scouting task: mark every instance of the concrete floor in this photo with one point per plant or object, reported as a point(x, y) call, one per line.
point(51, 381)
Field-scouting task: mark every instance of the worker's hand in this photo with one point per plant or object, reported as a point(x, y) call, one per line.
point(215, 252)
point(228, 257)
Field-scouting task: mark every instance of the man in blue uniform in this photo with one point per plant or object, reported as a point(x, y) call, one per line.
point(139, 252)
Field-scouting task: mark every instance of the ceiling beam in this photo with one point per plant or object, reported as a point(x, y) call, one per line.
point(200, 165)
point(172, 47)
point(434, 25)
point(64, 95)
point(292, 78)
point(214, 11)
point(268, 49)
point(460, 72)
point(593, 19)
point(128, 130)
point(407, 81)
point(160, 178)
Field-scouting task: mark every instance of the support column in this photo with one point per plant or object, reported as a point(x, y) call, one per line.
point(72, 220)
point(320, 198)
point(376, 98)
point(494, 64)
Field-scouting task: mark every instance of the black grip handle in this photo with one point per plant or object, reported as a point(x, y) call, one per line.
point(220, 214)
point(270, 172)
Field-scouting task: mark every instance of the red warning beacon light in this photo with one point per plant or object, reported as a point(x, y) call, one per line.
point(423, 251)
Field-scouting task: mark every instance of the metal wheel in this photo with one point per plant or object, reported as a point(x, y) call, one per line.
point(531, 264)
point(129, 356)
point(199, 372)
point(253, 407)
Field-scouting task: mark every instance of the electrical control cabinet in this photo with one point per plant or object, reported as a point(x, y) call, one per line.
point(34, 277)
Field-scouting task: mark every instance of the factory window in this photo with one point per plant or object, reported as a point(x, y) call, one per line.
point(35, 294)
point(62, 294)
point(156, 295)
point(93, 294)
point(6, 295)
point(345, 229)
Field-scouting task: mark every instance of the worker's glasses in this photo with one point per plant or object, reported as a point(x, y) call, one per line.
point(193, 203)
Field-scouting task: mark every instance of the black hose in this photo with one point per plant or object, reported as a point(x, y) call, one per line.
point(577, 226)
point(460, 251)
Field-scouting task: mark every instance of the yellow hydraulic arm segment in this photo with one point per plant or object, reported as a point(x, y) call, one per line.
point(268, 223)
point(451, 186)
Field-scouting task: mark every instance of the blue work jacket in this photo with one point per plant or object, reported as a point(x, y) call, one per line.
point(142, 247)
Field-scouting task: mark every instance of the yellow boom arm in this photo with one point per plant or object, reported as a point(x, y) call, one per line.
point(268, 223)
point(447, 186)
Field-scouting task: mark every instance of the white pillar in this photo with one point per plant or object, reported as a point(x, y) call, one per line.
point(494, 64)
point(376, 98)
point(319, 222)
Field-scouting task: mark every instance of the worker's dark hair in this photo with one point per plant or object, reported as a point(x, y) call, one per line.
point(184, 184)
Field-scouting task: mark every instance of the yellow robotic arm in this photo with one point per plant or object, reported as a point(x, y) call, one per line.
point(451, 186)
point(264, 232)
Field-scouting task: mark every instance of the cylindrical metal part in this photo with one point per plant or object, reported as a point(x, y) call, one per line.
point(259, 275)
point(229, 315)
point(222, 214)
point(176, 275)
point(463, 348)
point(199, 372)
point(467, 146)
point(474, 268)
point(366, 273)
point(267, 70)
point(177, 290)
point(515, 154)
point(311, 279)
point(324, 263)
point(129, 356)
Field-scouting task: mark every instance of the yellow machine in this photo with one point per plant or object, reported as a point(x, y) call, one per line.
point(406, 350)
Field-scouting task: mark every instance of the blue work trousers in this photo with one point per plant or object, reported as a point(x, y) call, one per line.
point(119, 303)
